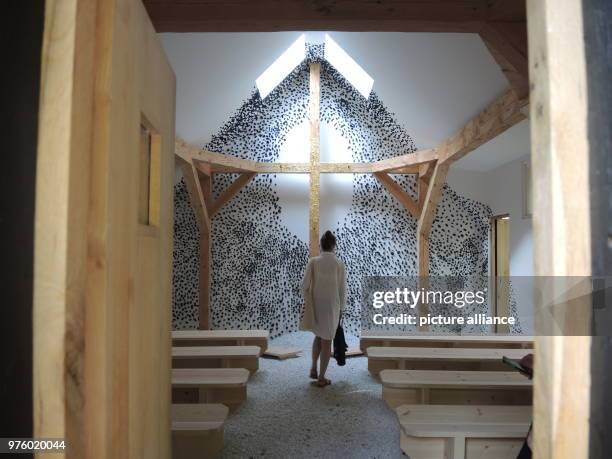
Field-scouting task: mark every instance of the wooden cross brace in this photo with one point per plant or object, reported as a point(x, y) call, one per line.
point(431, 167)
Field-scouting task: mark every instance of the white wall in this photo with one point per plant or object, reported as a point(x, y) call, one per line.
point(501, 189)
point(434, 83)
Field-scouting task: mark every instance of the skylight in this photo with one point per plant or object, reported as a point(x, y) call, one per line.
point(281, 67)
point(296, 53)
point(350, 69)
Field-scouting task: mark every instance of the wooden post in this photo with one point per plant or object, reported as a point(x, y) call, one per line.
point(205, 253)
point(561, 220)
point(315, 157)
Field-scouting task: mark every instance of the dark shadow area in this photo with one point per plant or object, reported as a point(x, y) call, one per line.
point(597, 17)
point(21, 38)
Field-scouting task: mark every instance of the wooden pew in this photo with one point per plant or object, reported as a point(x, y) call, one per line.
point(401, 387)
point(216, 357)
point(197, 430)
point(423, 340)
point(462, 432)
point(425, 358)
point(221, 338)
point(210, 385)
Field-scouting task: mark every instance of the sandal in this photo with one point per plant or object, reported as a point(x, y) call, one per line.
point(313, 374)
point(323, 382)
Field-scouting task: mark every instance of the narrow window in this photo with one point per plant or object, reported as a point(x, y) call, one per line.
point(149, 170)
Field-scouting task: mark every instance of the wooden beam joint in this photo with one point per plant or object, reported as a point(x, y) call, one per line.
point(398, 193)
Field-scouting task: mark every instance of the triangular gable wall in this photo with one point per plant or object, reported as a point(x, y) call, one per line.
point(258, 263)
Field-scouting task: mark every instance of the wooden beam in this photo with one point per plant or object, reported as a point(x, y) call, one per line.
point(398, 162)
point(398, 193)
point(206, 183)
point(262, 168)
point(211, 162)
point(560, 132)
point(425, 173)
point(434, 193)
point(422, 254)
point(204, 281)
point(231, 191)
point(511, 58)
point(185, 151)
point(350, 15)
point(205, 186)
point(196, 197)
point(507, 11)
point(500, 115)
point(315, 156)
point(427, 215)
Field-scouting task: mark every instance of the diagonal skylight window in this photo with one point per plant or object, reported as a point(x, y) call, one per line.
point(350, 69)
point(281, 67)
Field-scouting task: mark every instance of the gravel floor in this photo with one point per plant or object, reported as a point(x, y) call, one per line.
point(285, 416)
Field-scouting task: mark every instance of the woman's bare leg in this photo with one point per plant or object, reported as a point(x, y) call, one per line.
point(325, 356)
point(316, 351)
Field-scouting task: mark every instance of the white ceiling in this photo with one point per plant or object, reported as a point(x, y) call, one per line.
point(434, 83)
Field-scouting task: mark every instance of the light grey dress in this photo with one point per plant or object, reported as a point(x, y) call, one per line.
point(325, 280)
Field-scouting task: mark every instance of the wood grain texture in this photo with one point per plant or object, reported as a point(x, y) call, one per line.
point(61, 221)
point(398, 193)
point(221, 338)
point(500, 115)
point(561, 221)
point(428, 213)
point(209, 377)
point(197, 429)
point(314, 109)
point(196, 197)
point(444, 379)
point(440, 353)
point(231, 191)
point(350, 15)
point(219, 334)
point(508, 46)
point(210, 162)
point(229, 352)
point(464, 421)
point(432, 340)
point(104, 283)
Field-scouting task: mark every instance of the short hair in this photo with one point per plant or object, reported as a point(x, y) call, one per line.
point(328, 241)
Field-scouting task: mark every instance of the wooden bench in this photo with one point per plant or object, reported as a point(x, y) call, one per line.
point(462, 432)
point(197, 430)
point(400, 387)
point(470, 341)
point(216, 357)
point(425, 358)
point(210, 385)
point(221, 338)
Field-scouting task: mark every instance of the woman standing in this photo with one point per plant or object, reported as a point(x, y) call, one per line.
point(324, 289)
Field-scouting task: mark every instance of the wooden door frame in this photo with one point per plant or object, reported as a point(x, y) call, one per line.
point(493, 284)
point(85, 280)
point(560, 173)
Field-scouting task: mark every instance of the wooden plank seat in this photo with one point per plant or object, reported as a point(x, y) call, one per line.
point(462, 432)
point(197, 430)
point(216, 357)
point(210, 385)
point(400, 387)
point(469, 341)
point(221, 338)
point(425, 358)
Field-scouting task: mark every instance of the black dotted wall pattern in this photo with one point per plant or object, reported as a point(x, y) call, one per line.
point(258, 264)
